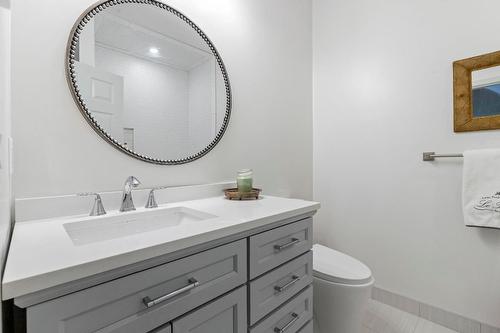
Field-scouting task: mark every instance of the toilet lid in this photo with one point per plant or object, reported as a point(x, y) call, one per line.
point(335, 266)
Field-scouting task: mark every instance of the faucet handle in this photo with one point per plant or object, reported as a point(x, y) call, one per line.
point(98, 208)
point(151, 203)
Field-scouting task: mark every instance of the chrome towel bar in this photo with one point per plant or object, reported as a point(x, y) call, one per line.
point(431, 156)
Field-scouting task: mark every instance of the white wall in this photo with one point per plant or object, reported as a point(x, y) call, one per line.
point(155, 102)
point(382, 96)
point(202, 113)
point(5, 191)
point(267, 51)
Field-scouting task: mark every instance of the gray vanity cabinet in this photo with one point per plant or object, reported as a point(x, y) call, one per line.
point(225, 315)
point(257, 282)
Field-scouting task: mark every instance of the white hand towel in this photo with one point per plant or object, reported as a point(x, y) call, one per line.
point(481, 188)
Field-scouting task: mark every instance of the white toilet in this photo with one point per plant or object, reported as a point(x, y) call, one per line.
point(342, 288)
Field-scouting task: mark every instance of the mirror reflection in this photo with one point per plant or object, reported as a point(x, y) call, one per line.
point(486, 92)
point(150, 81)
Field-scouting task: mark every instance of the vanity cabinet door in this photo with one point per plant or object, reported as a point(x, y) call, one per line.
point(225, 315)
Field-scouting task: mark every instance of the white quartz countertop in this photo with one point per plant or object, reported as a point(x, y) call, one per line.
point(42, 255)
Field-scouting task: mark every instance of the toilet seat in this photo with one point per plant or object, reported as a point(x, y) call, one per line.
point(335, 266)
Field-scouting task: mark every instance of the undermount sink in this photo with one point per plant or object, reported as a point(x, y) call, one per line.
point(90, 230)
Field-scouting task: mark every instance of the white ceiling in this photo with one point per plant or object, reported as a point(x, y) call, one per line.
point(134, 29)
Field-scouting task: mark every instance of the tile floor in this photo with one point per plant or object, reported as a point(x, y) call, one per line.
point(381, 318)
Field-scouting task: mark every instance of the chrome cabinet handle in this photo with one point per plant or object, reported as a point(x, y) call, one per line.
point(288, 325)
point(287, 245)
point(288, 285)
point(193, 283)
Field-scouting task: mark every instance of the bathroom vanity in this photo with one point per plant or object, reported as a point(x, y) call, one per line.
point(221, 266)
point(200, 264)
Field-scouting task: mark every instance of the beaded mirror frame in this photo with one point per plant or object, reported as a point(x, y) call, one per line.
point(71, 53)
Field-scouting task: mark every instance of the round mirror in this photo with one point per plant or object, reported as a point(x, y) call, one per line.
point(148, 80)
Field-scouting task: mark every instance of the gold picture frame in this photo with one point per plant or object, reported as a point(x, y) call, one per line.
point(464, 119)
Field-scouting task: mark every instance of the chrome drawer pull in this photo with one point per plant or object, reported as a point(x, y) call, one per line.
point(287, 245)
point(193, 283)
point(288, 285)
point(288, 325)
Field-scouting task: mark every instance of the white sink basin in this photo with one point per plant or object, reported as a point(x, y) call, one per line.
point(96, 229)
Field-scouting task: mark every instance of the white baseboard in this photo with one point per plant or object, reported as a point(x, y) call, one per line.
point(439, 316)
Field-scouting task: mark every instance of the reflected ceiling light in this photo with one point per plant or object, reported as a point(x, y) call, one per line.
point(154, 50)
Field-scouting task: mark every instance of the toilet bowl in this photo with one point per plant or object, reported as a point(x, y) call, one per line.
point(342, 288)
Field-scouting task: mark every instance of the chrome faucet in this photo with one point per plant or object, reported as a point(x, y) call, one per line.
point(97, 208)
point(127, 202)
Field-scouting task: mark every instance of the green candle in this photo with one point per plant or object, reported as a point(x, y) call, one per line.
point(244, 180)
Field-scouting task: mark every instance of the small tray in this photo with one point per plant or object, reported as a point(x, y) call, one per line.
point(233, 194)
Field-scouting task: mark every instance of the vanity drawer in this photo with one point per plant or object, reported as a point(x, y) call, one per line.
point(146, 300)
point(308, 328)
point(275, 247)
point(291, 317)
point(276, 287)
point(164, 329)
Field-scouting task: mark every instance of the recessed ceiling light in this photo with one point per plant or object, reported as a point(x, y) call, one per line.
point(153, 50)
